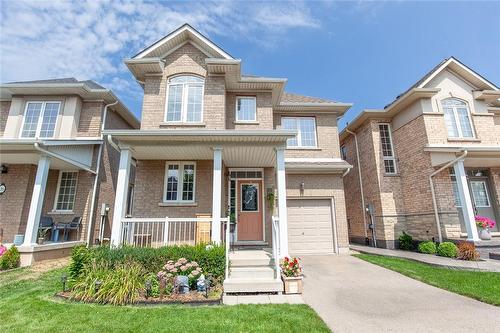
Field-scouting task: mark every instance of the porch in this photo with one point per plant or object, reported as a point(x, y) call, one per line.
point(48, 186)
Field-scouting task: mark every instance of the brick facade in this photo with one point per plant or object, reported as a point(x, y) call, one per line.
point(4, 114)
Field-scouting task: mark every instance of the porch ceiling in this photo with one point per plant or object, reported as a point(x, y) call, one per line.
point(477, 157)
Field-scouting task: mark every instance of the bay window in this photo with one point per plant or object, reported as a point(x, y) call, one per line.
point(179, 182)
point(39, 119)
point(184, 99)
point(457, 118)
point(306, 131)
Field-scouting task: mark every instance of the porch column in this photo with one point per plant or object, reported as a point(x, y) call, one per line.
point(466, 201)
point(120, 206)
point(42, 172)
point(217, 195)
point(282, 210)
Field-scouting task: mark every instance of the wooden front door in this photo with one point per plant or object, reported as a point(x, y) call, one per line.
point(249, 207)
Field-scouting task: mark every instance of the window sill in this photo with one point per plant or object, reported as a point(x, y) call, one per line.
point(61, 212)
point(303, 148)
point(178, 204)
point(391, 174)
point(164, 124)
point(246, 122)
point(463, 140)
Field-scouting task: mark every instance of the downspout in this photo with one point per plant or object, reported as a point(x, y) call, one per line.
point(360, 179)
point(434, 202)
point(90, 228)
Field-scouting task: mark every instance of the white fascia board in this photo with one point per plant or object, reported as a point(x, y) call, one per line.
point(166, 133)
point(313, 160)
point(449, 148)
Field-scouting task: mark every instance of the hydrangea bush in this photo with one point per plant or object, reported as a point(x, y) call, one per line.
point(191, 269)
point(484, 222)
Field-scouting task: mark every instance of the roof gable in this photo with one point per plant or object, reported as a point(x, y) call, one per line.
point(178, 38)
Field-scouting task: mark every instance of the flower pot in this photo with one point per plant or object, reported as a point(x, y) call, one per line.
point(293, 284)
point(41, 240)
point(484, 234)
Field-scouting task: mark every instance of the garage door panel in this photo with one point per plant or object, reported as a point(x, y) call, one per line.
point(310, 226)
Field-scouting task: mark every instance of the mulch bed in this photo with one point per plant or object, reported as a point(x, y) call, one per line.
point(192, 298)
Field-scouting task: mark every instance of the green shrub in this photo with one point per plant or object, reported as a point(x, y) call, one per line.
point(212, 261)
point(427, 247)
point(80, 257)
point(447, 249)
point(10, 259)
point(119, 285)
point(405, 242)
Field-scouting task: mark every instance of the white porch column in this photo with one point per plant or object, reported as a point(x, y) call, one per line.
point(120, 206)
point(42, 172)
point(217, 195)
point(466, 201)
point(282, 210)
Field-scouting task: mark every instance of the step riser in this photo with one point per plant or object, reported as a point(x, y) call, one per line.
point(243, 262)
point(253, 287)
point(249, 274)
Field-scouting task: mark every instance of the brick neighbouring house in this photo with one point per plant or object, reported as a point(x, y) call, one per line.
point(449, 121)
point(51, 142)
point(213, 143)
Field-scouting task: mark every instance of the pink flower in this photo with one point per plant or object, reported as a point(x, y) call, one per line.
point(184, 268)
point(484, 222)
point(3, 249)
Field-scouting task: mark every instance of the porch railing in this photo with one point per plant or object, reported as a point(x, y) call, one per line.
point(156, 232)
point(276, 246)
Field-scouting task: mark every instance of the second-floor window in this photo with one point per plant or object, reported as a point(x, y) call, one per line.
point(306, 131)
point(387, 149)
point(184, 99)
point(457, 118)
point(40, 119)
point(246, 108)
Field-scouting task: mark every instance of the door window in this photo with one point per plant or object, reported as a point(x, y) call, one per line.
point(480, 193)
point(249, 198)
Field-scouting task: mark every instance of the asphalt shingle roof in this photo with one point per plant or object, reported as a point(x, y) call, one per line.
point(90, 83)
point(288, 98)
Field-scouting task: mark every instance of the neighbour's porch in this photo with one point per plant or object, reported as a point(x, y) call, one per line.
point(48, 186)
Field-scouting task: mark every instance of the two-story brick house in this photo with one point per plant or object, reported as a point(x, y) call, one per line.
point(56, 166)
point(215, 143)
point(428, 162)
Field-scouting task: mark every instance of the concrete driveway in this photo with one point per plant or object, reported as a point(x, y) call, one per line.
point(352, 295)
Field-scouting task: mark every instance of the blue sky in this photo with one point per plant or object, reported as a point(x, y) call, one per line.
point(361, 52)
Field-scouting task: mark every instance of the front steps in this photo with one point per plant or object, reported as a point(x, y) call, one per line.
point(489, 248)
point(251, 271)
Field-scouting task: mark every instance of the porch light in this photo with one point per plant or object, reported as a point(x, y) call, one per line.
point(64, 279)
point(148, 288)
point(4, 168)
point(302, 186)
point(97, 285)
point(478, 173)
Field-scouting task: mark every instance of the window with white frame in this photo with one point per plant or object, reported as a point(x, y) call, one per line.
point(454, 184)
point(40, 119)
point(246, 108)
point(306, 131)
point(180, 178)
point(387, 149)
point(66, 191)
point(457, 118)
point(185, 99)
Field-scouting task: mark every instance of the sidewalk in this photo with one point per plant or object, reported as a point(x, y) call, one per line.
point(483, 265)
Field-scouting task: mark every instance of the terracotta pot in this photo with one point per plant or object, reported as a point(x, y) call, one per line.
point(484, 234)
point(293, 284)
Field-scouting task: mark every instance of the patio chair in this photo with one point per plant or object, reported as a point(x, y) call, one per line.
point(75, 224)
point(46, 223)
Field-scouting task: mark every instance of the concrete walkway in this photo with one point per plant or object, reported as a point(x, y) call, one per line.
point(482, 265)
point(352, 295)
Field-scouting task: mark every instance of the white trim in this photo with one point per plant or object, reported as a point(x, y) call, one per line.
point(58, 188)
point(298, 137)
point(485, 190)
point(185, 87)
point(40, 119)
point(388, 158)
point(243, 121)
point(180, 181)
point(178, 32)
point(217, 195)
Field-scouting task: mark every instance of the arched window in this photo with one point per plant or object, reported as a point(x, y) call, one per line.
point(457, 118)
point(185, 99)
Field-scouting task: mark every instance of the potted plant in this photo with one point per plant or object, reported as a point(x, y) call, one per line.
point(485, 223)
point(41, 236)
point(291, 273)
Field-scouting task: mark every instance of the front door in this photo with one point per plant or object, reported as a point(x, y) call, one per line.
point(481, 198)
point(249, 209)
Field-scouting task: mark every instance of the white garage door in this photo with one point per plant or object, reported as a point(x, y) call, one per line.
point(310, 228)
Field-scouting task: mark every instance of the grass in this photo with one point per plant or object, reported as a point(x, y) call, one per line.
point(29, 305)
point(483, 286)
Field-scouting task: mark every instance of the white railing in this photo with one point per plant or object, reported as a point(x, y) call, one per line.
point(227, 241)
point(276, 246)
point(156, 232)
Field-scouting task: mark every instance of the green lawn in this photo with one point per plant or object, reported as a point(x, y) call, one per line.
point(483, 286)
point(28, 305)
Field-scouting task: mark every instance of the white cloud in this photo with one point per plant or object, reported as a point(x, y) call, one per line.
point(89, 39)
